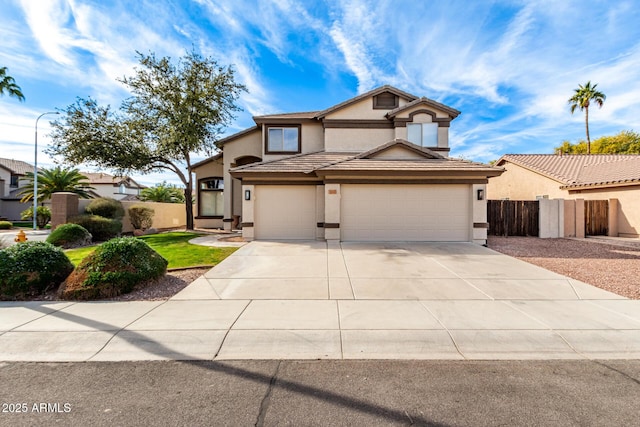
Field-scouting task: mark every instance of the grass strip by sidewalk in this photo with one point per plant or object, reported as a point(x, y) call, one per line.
point(175, 247)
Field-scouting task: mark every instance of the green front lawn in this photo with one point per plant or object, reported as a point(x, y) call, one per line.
point(175, 247)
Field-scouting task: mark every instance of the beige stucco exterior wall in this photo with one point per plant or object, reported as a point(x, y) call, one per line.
point(518, 183)
point(356, 140)
point(479, 214)
point(166, 215)
point(362, 110)
point(312, 139)
point(246, 145)
point(208, 170)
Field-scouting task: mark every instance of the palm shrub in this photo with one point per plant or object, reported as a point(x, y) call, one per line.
point(105, 207)
point(114, 268)
point(70, 236)
point(43, 215)
point(141, 217)
point(31, 268)
point(101, 228)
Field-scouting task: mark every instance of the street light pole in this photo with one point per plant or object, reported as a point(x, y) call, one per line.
point(35, 171)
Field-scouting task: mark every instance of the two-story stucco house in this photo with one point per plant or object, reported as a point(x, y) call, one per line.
point(372, 168)
point(12, 177)
point(116, 187)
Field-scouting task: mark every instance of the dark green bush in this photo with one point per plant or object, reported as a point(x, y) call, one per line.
point(70, 236)
point(106, 207)
point(141, 216)
point(42, 218)
point(101, 228)
point(114, 268)
point(5, 225)
point(31, 268)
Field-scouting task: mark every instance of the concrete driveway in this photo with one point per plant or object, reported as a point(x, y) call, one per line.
point(313, 300)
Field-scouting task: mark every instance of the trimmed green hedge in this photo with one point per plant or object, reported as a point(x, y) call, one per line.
point(31, 268)
point(105, 207)
point(6, 225)
point(70, 236)
point(101, 228)
point(114, 268)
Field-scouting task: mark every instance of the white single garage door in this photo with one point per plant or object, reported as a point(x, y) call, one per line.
point(393, 212)
point(285, 212)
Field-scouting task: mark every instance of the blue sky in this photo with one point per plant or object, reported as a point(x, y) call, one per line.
point(508, 66)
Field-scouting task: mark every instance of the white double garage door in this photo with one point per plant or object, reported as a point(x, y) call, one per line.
point(368, 212)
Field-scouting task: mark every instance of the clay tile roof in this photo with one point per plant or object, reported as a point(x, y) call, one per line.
point(426, 165)
point(16, 167)
point(581, 170)
point(301, 163)
point(300, 115)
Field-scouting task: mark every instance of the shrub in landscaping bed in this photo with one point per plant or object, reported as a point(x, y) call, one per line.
point(70, 236)
point(105, 207)
point(43, 215)
point(31, 268)
point(141, 217)
point(5, 225)
point(101, 228)
point(114, 268)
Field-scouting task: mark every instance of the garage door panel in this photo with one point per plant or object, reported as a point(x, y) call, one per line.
point(405, 212)
point(285, 212)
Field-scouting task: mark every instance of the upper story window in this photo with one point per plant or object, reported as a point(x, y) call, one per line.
point(385, 101)
point(14, 181)
point(283, 139)
point(423, 134)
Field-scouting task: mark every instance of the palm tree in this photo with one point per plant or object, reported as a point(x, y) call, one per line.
point(163, 192)
point(582, 98)
point(8, 85)
point(56, 180)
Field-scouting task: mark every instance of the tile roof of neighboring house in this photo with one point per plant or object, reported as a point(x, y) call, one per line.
point(16, 167)
point(581, 170)
point(105, 178)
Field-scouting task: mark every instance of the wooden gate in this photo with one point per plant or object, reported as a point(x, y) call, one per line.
point(596, 217)
point(513, 217)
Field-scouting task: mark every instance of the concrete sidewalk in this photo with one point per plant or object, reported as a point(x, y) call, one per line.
point(313, 300)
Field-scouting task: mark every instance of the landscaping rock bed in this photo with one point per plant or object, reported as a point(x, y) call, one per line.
point(615, 268)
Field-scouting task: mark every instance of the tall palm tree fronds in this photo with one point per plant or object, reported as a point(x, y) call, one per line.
point(56, 180)
point(581, 99)
point(8, 85)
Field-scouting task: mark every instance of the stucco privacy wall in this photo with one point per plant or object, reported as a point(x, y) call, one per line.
point(166, 215)
point(628, 209)
point(518, 183)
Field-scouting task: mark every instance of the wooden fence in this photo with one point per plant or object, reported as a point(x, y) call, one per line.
point(596, 217)
point(513, 217)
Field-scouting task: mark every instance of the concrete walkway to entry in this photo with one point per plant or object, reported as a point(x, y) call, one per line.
point(318, 300)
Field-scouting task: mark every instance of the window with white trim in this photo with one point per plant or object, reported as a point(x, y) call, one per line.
point(283, 139)
point(423, 134)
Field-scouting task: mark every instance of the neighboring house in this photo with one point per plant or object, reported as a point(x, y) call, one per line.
point(12, 177)
point(372, 168)
point(574, 176)
point(121, 188)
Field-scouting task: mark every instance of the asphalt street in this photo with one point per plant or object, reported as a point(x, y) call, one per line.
point(328, 392)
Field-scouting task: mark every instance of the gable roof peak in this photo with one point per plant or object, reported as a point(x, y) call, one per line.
point(373, 92)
